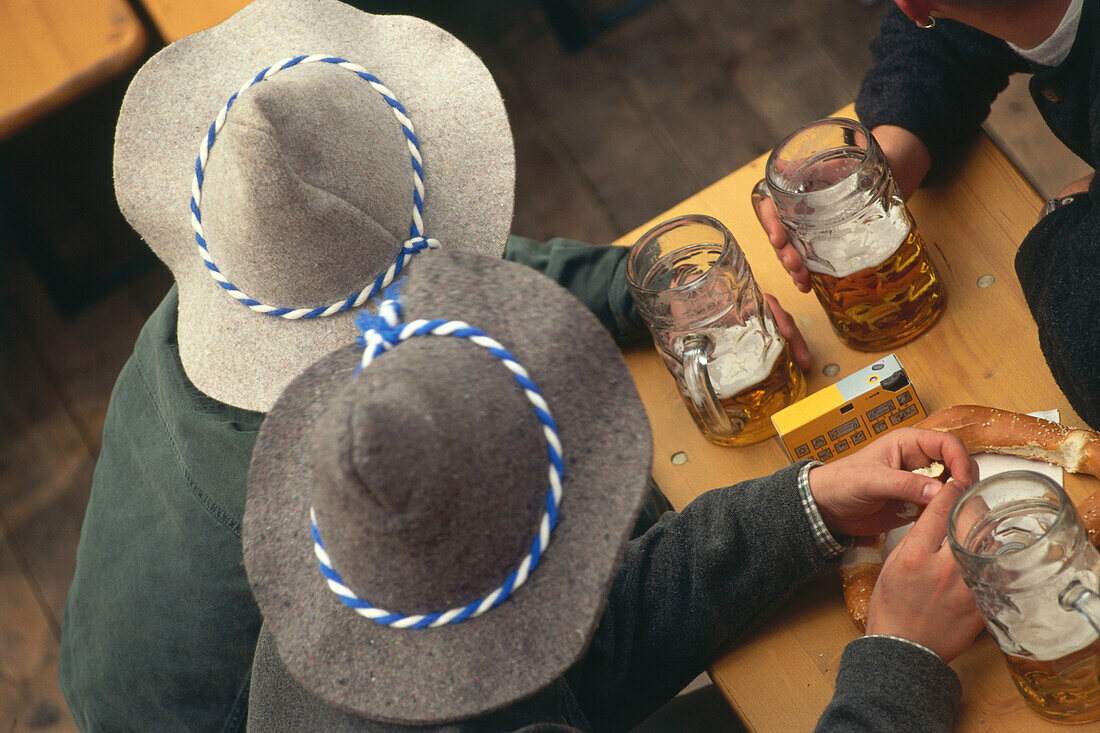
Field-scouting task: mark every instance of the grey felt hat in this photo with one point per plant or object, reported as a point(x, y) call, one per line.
point(428, 475)
point(307, 188)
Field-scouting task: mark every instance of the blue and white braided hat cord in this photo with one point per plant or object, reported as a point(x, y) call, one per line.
point(417, 241)
point(380, 334)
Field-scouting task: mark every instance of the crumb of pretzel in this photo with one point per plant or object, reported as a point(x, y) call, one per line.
point(935, 470)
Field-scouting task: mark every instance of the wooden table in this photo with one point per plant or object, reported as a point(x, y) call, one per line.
point(984, 350)
point(178, 18)
point(58, 49)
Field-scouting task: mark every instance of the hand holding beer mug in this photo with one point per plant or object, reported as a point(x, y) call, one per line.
point(1024, 553)
point(868, 265)
point(712, 327)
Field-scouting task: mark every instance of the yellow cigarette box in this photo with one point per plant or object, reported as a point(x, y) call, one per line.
point(851, 413)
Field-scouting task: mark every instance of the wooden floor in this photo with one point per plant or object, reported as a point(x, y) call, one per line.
point(661, 105)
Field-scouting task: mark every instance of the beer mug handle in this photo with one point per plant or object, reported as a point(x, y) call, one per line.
point(1076, 597)
point(695, 357)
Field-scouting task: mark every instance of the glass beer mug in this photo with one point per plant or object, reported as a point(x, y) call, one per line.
point(868, 265)
point(712, 327)
point(1023, 551)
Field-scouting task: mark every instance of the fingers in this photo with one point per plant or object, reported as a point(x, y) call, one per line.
point(970, 514)
point(930, 529)
point(878, 482)
point(790, 332)
point(777, 237)
point(910, 448)
point(861, 493)
point(769, 220)
point(919, 447)
point(792, 263)
point(975, 474)
point(802, 279)
point(921, 595)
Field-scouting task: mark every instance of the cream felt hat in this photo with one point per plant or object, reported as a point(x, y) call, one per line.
point(288, 162)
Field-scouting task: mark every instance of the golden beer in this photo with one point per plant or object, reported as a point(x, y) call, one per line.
point(869, 267)
point(887, 305)
point(1065, 690)
point(1022, 548)
point(783, 385)
point(713, 328)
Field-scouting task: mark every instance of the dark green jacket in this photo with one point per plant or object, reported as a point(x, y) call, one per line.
point(160, 625)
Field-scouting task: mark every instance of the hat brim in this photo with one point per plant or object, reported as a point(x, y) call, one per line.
point(461, 123)
point(513, 650)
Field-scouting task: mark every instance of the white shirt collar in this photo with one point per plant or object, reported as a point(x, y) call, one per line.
point(1056, 48)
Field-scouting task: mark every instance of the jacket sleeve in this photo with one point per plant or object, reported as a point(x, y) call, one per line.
point(697, 581)
point(936, 83)
point(1058, 265)
point(884, 684)
point(594, 273)
point(160, 622)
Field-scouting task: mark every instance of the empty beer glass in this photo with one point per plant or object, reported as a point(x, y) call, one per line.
point(1023, 551)
point(713, 328)
point(868, 265)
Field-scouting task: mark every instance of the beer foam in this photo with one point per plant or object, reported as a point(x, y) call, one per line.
point(1045, 629)
point(742, 356)
point(854, 245)
point(1033, 617)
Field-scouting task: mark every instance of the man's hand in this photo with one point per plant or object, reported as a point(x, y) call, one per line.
point(784, 250)
point(909, 161)
point(789, 330)
point(920, 594)
point(864, 492)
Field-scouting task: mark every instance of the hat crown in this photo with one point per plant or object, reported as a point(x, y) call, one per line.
point(433, 674)
point(458, 117)
point(308, 190)
point(410, 526)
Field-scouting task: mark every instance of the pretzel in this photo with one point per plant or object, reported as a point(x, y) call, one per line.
point(859, 569)
point(987, 430)
point(1089, 510)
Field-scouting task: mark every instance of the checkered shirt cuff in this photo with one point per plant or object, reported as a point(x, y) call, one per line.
point(827, 545)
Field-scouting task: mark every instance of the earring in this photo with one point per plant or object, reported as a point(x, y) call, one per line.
point(928, 24)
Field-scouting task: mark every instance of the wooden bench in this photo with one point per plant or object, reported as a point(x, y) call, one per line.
point(178, 18)
point(58, 50)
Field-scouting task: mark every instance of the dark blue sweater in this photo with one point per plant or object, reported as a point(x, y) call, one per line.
point(939, 84)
